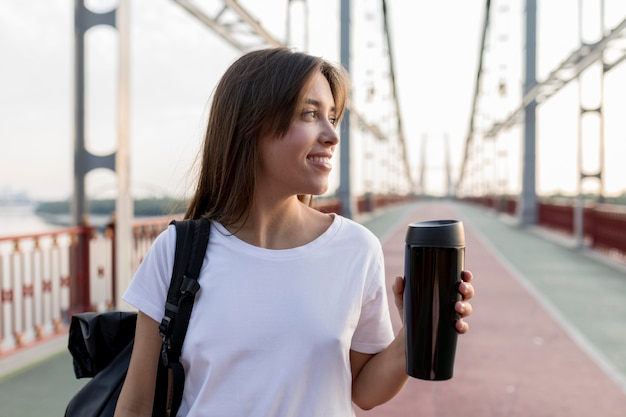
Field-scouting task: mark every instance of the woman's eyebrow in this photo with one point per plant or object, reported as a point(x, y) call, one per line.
point(317, 103)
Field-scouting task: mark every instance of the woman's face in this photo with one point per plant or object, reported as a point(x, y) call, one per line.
point(300, 161)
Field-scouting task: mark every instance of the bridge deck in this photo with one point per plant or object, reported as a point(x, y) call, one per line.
point(547, 336)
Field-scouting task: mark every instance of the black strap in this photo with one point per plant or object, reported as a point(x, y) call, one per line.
point(192, 238)
point(184, 243)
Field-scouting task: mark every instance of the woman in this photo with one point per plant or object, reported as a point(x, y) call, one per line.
point(292, 316)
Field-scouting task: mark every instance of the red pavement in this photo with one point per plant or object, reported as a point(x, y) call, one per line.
point(515, 361)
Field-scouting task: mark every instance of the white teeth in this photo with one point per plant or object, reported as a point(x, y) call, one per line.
point(322, 159)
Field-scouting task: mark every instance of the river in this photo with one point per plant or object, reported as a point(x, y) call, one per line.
point(20, 220)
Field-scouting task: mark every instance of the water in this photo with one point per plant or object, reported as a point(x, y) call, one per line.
point(22, 220)
point(19, 220)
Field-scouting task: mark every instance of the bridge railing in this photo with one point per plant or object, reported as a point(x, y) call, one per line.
point(604, 224)
point(36, 273)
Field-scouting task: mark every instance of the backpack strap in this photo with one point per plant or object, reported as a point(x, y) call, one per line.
point(192, 238)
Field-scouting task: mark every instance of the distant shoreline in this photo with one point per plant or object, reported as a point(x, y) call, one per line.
point(147, 207)
point(22, 220)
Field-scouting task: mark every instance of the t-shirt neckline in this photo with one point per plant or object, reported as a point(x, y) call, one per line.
point(245, 247)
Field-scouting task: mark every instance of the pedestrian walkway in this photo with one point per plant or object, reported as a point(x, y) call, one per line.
point(546, 339)
point(547, 336)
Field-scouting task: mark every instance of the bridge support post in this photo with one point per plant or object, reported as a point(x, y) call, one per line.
point(527, 207)
point(119, 161)
point(345, 187)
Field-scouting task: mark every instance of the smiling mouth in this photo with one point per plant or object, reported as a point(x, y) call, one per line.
point(320, 159)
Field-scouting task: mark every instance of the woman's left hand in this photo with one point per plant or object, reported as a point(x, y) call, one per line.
point(464, 308)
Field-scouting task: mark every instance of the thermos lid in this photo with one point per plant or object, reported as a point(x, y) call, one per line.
point(436, 233)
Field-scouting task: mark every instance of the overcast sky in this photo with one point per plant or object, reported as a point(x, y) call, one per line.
point(176, 62)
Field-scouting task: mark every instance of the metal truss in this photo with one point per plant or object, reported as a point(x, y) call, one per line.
point(611, 50)
point(239, 28)
point(232, 22)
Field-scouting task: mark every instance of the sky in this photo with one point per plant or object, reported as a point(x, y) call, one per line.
point(176, 62)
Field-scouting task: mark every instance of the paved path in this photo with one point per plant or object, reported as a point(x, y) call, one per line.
point(547, 336)
point(528, 353)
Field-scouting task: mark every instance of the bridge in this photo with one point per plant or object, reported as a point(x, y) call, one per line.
point(547, 336)
point(549, 260)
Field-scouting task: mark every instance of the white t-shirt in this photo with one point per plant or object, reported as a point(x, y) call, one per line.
point(271, 330)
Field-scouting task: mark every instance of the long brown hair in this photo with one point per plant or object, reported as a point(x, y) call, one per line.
point(257, 95)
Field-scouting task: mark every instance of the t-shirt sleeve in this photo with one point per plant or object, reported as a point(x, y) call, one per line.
point(148, 289)
point(374, 331)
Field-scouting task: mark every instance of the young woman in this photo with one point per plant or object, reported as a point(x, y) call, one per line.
point(292, 316)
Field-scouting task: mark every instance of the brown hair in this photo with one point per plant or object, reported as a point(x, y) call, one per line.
point(258, 95)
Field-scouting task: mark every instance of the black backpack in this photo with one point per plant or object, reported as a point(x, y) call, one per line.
point(101, 343)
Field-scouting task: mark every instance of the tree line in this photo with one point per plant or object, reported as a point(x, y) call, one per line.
point(142, 207)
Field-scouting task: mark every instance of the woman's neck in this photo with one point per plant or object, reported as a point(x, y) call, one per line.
point(281, 225)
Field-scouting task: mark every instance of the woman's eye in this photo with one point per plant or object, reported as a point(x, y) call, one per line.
point(312, 115)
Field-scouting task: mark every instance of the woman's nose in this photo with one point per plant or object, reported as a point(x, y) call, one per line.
point(330, 135)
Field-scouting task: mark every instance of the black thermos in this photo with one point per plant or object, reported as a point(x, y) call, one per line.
point(433, 263)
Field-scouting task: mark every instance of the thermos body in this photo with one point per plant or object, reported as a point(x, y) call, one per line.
point(434, 261)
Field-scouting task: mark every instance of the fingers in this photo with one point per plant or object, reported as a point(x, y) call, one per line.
point(465, 288)
point(467, 276)
point(398, 295)
point(461, 326)
point(463, 308)
point(398, 286)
